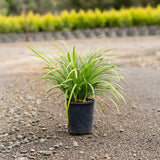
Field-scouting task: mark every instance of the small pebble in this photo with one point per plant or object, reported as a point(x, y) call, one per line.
point(92, 158)
point(54, 136)
point(134, 151)
point(33, 150)
point(17, 144)
point(49, 137)
point(157, 53)
point(42, 140)
point(19, 136)
point(51, 148)
point(2, 147)
point(60, 144)
point(22, 158)
point(134, 107)
point(31, 157)
point(13, 139)
point(121, 130)
point(81, 152)
point(107, 156)
point(44, 129)
point(10, 147)
point(38, 101)
point(25, 140)
point(134, 155)
point(45, 153)
point(56, 146)
point(23, 151)
point(158, 110)
point(31, 133)
point(75, 144)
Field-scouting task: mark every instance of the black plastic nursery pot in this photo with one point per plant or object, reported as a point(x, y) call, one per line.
point(80, 117)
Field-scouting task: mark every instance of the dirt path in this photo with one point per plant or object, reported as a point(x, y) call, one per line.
point(32, 127)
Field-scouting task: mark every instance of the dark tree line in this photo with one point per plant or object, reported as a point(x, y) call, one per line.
point(43, 6)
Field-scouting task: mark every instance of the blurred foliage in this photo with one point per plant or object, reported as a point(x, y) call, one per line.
point(3, 7)
point(43, 6)
point(81, 19)
point(39, 6)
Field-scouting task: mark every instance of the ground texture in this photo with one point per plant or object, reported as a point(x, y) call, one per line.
point(33, 127)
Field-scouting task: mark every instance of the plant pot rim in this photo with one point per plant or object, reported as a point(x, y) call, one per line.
point(81, 102)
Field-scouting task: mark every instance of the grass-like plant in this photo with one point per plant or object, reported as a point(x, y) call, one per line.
point(82, 77)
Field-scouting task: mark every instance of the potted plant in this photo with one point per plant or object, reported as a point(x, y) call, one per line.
point(82, 78)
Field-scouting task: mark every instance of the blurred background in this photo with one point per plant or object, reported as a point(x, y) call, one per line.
point(130, 28)
point(15, 7)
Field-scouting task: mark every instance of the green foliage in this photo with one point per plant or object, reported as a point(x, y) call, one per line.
point(43, 6)
point(37, 6)
point(103, 4)
point(12, 24)
point(81, 19)
point(82, 76)
point(3, 7)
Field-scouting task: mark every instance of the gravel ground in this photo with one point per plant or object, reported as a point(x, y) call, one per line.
point(33, 127)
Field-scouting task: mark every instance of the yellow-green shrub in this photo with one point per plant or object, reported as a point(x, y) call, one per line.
point(33, 21)
point(11, 24)
point(81, 19)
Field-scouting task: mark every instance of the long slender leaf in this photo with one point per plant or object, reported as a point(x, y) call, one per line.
point(83, 76)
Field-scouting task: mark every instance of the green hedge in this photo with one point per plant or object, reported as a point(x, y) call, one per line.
point(81, 19)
